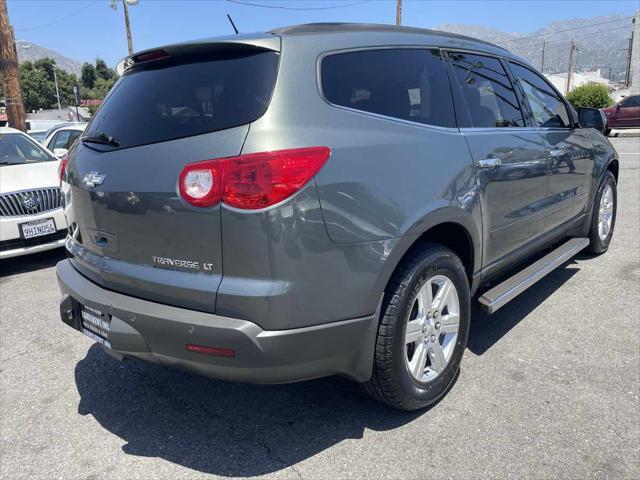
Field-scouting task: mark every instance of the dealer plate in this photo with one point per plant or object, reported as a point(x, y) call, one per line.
point(95, 325)
point(38, 228)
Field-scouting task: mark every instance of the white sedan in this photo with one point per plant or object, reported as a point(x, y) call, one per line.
point(31, 215)
point(60, 139)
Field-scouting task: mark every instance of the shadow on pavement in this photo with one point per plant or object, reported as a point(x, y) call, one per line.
point(243, 430)
point(31, 262)
point(224, 428)
point(486, 330)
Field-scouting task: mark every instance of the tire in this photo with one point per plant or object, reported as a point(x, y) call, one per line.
point(391, 381)
point(599, 243)
point(607, 132)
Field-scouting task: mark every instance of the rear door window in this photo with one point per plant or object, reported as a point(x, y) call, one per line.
point(546, 105)
point(409, 84)
point(175, 98)
point(488, 93)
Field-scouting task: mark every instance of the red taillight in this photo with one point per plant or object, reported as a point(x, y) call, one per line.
point(252, 181)
point(62, 169)
point(152, 55)
point(216, 352)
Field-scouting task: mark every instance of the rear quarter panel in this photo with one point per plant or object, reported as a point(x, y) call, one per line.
point(328, 253)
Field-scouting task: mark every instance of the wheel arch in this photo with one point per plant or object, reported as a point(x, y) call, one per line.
point(456, 232)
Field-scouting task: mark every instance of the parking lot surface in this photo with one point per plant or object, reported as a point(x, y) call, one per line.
point(549, 387)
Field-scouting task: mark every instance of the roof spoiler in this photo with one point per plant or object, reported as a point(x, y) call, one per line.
point(246, 42)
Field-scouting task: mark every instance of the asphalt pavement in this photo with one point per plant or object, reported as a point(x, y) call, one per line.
point(549, 388)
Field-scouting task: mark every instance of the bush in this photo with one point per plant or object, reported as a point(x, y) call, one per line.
point(594, 95)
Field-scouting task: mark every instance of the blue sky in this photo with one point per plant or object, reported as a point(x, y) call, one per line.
point(85, 29)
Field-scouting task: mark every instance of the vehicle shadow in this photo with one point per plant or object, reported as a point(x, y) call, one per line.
point(31, 262)
point(232, 429)
point(222, 428)
point(486, 330)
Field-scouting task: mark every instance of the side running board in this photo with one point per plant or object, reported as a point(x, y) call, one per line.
point(501, 294)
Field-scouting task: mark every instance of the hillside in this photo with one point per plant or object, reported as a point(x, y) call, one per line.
point(36, 52)
point(600, 46)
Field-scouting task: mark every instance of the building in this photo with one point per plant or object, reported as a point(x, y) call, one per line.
point(559, 80)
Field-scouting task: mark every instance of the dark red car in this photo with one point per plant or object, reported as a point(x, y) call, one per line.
point(624, 114)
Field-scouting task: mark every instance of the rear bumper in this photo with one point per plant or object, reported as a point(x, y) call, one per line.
point(159, 333)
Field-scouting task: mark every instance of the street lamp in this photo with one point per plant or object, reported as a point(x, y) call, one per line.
point(27, 46)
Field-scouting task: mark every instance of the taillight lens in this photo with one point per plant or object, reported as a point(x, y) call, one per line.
point(200, 183)
point(252, 181)
point(62, 169)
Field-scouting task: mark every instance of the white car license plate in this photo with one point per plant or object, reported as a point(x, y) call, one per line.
point(95, 325)
point(38, 228)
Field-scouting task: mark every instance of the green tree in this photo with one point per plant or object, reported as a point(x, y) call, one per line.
point(88, 75)
point(594, 95)
point(103, 71)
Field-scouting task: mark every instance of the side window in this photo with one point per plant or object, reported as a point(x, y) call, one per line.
point(631, 102)
point(73, 136)
point(490, 97)
point(410, 84)
point(548, 108)
point(60, 140)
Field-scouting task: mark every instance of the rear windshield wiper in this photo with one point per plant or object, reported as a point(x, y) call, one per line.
point(101, 138)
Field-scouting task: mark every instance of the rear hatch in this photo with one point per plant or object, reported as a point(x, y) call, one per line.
point(130, 231)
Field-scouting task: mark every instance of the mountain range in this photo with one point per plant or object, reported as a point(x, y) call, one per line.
point(601, 43)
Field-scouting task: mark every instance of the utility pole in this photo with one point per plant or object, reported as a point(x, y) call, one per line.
point(55, 79)
point(10, 74)
point(128, 26)
point(544, 42)
point(398, 12)
point(571, 49)
point(627, 70)
point(125, 7)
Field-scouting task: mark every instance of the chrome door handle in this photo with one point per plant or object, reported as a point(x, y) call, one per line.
point(490, 163)
point(556, 153)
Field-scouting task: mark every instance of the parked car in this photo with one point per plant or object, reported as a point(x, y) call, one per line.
point(60, 138)
point(31, 215)
point(339, 220)
point(624, 114)
point(38, 135)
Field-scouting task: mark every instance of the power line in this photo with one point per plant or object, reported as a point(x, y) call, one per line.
point(281, 7)
point(555, 42)
point(57, 21)
point(538, 35)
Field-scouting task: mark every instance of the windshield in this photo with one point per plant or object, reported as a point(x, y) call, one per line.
point(18, 149)
point(183, 97)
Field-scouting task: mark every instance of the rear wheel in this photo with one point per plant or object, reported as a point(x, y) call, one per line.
point(607, 132)
point(603, 218)
point(423, 331)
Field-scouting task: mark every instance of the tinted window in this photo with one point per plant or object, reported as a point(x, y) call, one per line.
point(60, 140)
point(546, 105)
point(16, 149)
point(169, 100)
point(631, 102)
point(410, 84)
point(490, 97)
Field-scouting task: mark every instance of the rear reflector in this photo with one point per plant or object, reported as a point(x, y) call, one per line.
point(216, 352)
point(252, 181)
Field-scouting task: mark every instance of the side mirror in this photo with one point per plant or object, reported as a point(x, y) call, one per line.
point(60, 152)
point(592, 118)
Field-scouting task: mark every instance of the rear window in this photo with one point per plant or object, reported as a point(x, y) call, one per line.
point(410, 84)
point(168, 100)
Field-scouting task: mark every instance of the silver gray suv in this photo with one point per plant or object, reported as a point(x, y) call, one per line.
point(325, 199)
